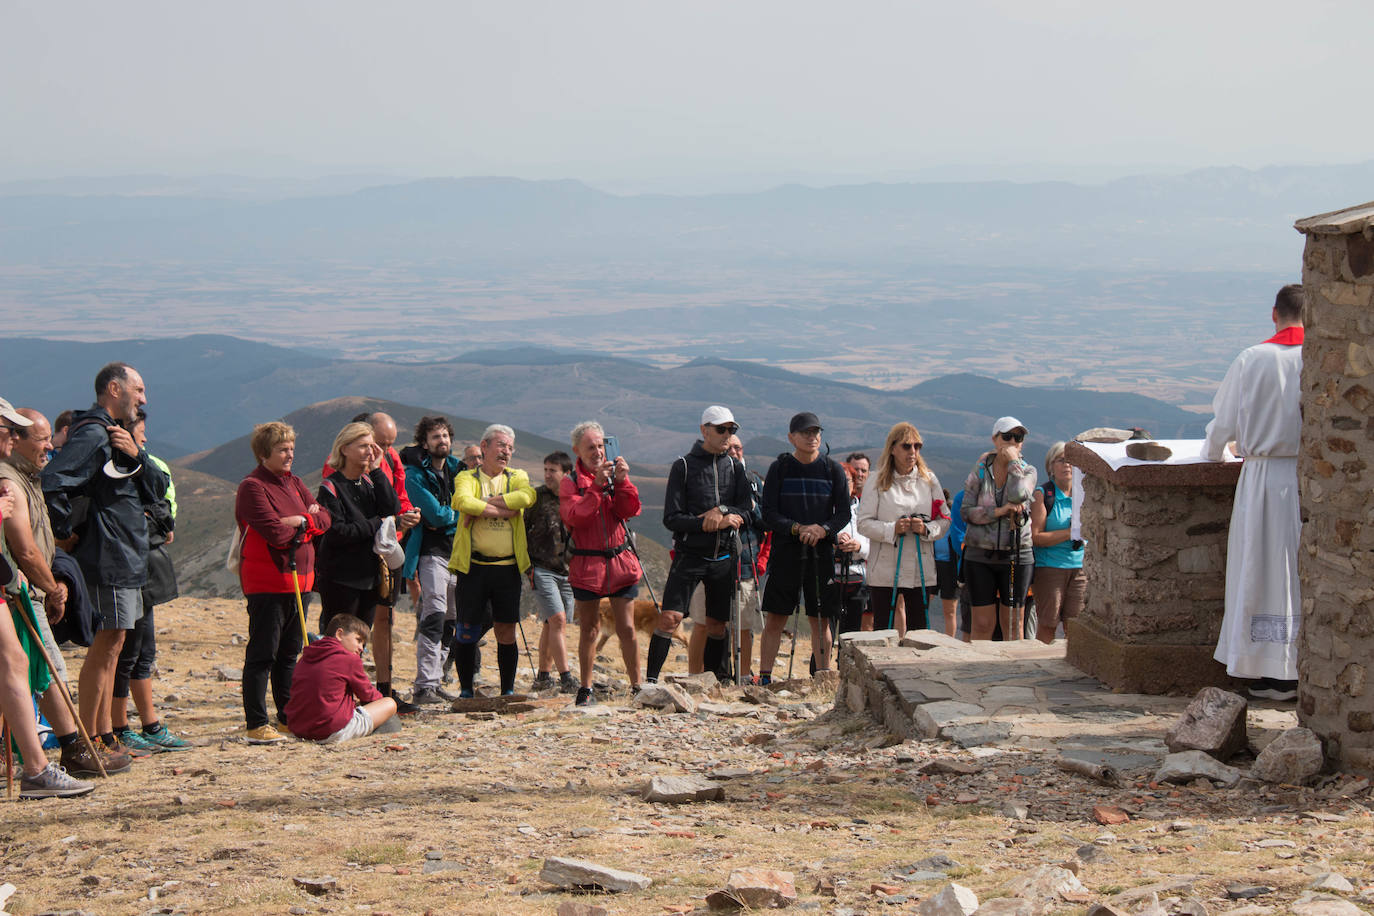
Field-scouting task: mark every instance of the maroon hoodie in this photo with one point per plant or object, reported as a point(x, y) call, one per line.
point(329, 682)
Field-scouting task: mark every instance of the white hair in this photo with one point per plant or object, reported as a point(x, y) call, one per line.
point(496, 428)
point(583, 428)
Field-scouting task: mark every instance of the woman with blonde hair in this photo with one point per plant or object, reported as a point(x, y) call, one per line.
point(359, 498)
point(1060, 586)
point(902, 513)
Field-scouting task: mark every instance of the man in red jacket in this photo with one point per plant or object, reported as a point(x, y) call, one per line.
point(332, 699)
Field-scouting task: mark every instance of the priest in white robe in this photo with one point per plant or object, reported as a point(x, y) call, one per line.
point(1257, 408)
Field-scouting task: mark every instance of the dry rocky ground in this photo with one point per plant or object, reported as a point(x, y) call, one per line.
point(458, 812)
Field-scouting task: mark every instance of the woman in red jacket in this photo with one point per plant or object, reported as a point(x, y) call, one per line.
point(595, 500)
point(279, 518)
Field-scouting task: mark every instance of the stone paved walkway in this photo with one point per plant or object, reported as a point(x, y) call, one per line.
point(1004, 695)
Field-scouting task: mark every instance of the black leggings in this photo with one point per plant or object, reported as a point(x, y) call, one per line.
point(137, 655)
point(274, 641)
point(883, 606)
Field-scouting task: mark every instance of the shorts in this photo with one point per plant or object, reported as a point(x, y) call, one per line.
point(485, 588)
point(793, 573)
point(947, 578)
point(343, 599)
point(582, 594)
point(115, 608)
point(748, 607)
point(717, 580)
point(358, 727)
point(552, 594)
point(1059, 594)
point(990, 583)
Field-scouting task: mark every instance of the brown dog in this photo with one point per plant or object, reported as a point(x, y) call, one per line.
point(645, 617)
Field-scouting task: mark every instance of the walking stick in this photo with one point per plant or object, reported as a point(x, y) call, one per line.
point(735, 607)
point(296, 584)
point(9, 758)
point(528, 657)
point(896, 577)
point(1013, 601)
point(921, 581)
point(26, 608)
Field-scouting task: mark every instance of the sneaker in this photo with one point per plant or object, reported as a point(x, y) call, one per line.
point(1268, 688)
point(584, 697)
point(265, 734)
point(136, 751)
point(77, 760)
point(567, 683)
point(466, 694)
point(403, 708)
point(542, 681)
point(168, 741)
point(138, 745)
point(53, 782)
point(427, 696)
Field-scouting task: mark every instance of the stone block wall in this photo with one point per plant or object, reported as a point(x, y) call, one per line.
point(1156, 569)
point(1336, 558)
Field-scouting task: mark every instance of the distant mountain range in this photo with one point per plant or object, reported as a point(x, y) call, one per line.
point(1218, 218)
point(206, 391)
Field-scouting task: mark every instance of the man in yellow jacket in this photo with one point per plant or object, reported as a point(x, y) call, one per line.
point(489, 556)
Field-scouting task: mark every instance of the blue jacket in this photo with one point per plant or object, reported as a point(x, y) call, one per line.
point(424, 489)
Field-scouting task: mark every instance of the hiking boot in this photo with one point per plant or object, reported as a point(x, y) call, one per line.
point(138, 745)
point(466, 694)
point(168, 741)
point(77, 760)
point(264, 734)
point(429, 696)
point(116, 759)
point(403, 708)
point(584, 697)
point(542, 681)
point(567, 683)
point(53, 782)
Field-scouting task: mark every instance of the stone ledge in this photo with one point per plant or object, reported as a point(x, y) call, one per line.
point(1209, 474)
point(1140, 668)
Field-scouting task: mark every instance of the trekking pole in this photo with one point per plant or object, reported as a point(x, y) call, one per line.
point(296, 584)
point(896, 577)
point(520, 623)
point(921, 581)
point(735, 608)
point(26, 610)
point(9, 757)
point(643, 571)
point(1013, 602)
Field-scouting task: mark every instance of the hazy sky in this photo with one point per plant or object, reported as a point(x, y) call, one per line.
point(685, 95)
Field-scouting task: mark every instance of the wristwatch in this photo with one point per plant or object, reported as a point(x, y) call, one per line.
point(723, 509)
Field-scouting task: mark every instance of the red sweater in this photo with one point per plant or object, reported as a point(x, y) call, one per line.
point(262, 501)
point(594, 522)
point(328, 684)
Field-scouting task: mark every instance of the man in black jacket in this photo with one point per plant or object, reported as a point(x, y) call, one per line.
point(805, 504)
point(93, 476)
point(706, 501)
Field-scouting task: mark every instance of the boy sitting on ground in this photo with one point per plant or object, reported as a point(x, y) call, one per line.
point(332, 699)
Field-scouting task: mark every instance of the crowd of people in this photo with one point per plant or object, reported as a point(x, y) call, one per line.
point(87, 514)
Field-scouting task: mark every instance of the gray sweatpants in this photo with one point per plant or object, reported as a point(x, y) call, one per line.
point(436, 604)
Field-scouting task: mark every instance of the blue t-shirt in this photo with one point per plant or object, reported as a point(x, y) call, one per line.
point(1057, 518)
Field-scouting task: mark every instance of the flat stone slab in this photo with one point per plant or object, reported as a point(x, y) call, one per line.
point(982, 695)
point(581, 874)
point(680, 790)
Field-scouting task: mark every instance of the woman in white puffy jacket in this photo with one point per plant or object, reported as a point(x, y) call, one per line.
point(902, 512)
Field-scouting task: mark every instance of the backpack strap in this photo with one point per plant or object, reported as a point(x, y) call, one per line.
point(1048, 489)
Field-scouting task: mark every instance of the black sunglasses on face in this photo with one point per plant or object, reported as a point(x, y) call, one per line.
point(910, 446)
point(1013, 437)
point(725, 429)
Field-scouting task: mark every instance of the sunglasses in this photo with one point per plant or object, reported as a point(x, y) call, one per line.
point(725, 429)
point(910, 446)
point(1013, 437)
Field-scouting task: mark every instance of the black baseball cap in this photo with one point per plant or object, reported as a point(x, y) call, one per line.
point(804, 420)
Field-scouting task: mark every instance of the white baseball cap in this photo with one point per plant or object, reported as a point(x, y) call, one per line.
point(1006, 425)
point(715, 415)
